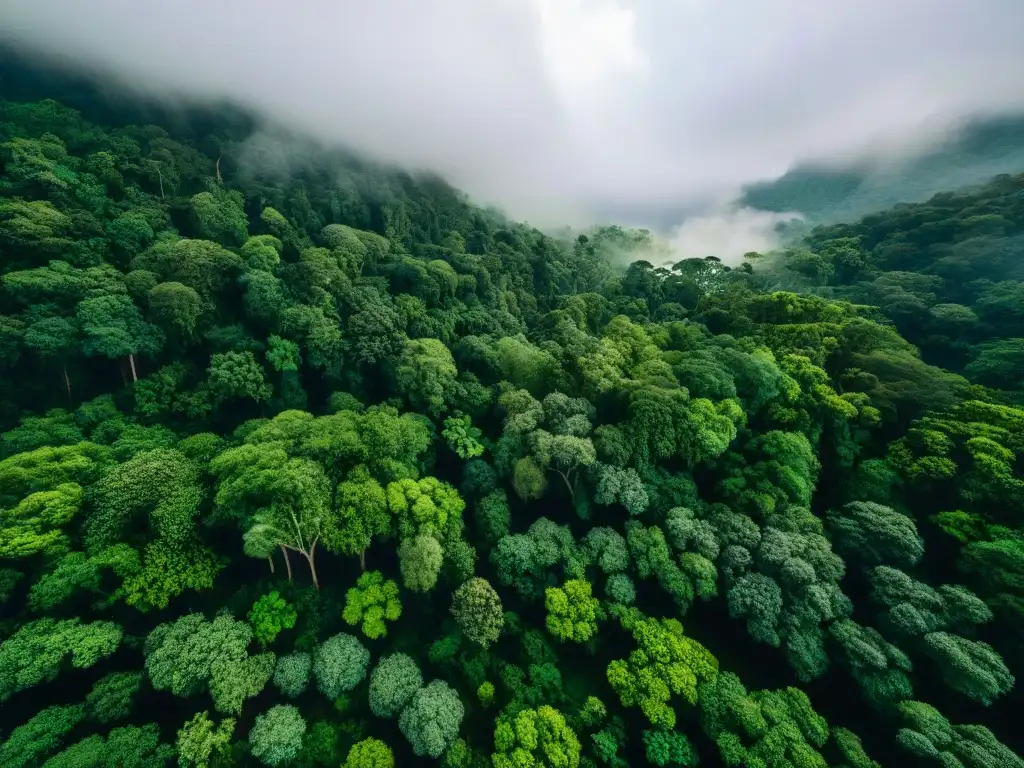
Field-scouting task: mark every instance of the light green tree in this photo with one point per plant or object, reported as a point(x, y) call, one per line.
point(462, 437)
point(276, 736)
point(35, 524)
point(535, 738)
point(420, 560)
point(573, 612)
point(427, 506)
point(664, 664)
point(269, 615)
point(370, 753)
point(200, 741)
point(477, 608)
point(371, 603)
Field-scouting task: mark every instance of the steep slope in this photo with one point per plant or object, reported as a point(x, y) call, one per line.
point(827, 195)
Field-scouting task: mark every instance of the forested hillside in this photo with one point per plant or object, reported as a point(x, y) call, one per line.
point(323, 465)
point(825, 194)
point(946, 273)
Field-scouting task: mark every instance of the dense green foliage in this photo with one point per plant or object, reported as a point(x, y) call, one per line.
point(394, 681)
point(276, 738)
point(269, 615)
point(334, 468)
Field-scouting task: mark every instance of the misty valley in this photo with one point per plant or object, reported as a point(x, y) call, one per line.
point(314, 462)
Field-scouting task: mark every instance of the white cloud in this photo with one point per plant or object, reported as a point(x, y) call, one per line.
point(728, 234)
point(556, 108)
point(586, 43)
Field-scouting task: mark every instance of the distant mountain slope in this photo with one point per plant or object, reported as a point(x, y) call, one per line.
point(828, 195)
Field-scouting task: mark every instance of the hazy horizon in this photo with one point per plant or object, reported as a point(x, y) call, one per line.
point(564, 110)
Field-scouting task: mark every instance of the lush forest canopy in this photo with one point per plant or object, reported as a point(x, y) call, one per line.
point(334, 468)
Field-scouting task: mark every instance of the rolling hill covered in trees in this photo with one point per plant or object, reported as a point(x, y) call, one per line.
point(331, 467)
point(981, 149)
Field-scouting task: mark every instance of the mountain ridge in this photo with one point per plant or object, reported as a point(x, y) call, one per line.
point(825, 194)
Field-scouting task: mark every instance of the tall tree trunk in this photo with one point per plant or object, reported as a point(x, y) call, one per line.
point(287, 563)
point(67, 382)
point(572, 493)
point(131, 359)
point(362, 561)
point(270, 562)
point(312, 566)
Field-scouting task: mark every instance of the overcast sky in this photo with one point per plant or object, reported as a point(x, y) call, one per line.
point(557, 108)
